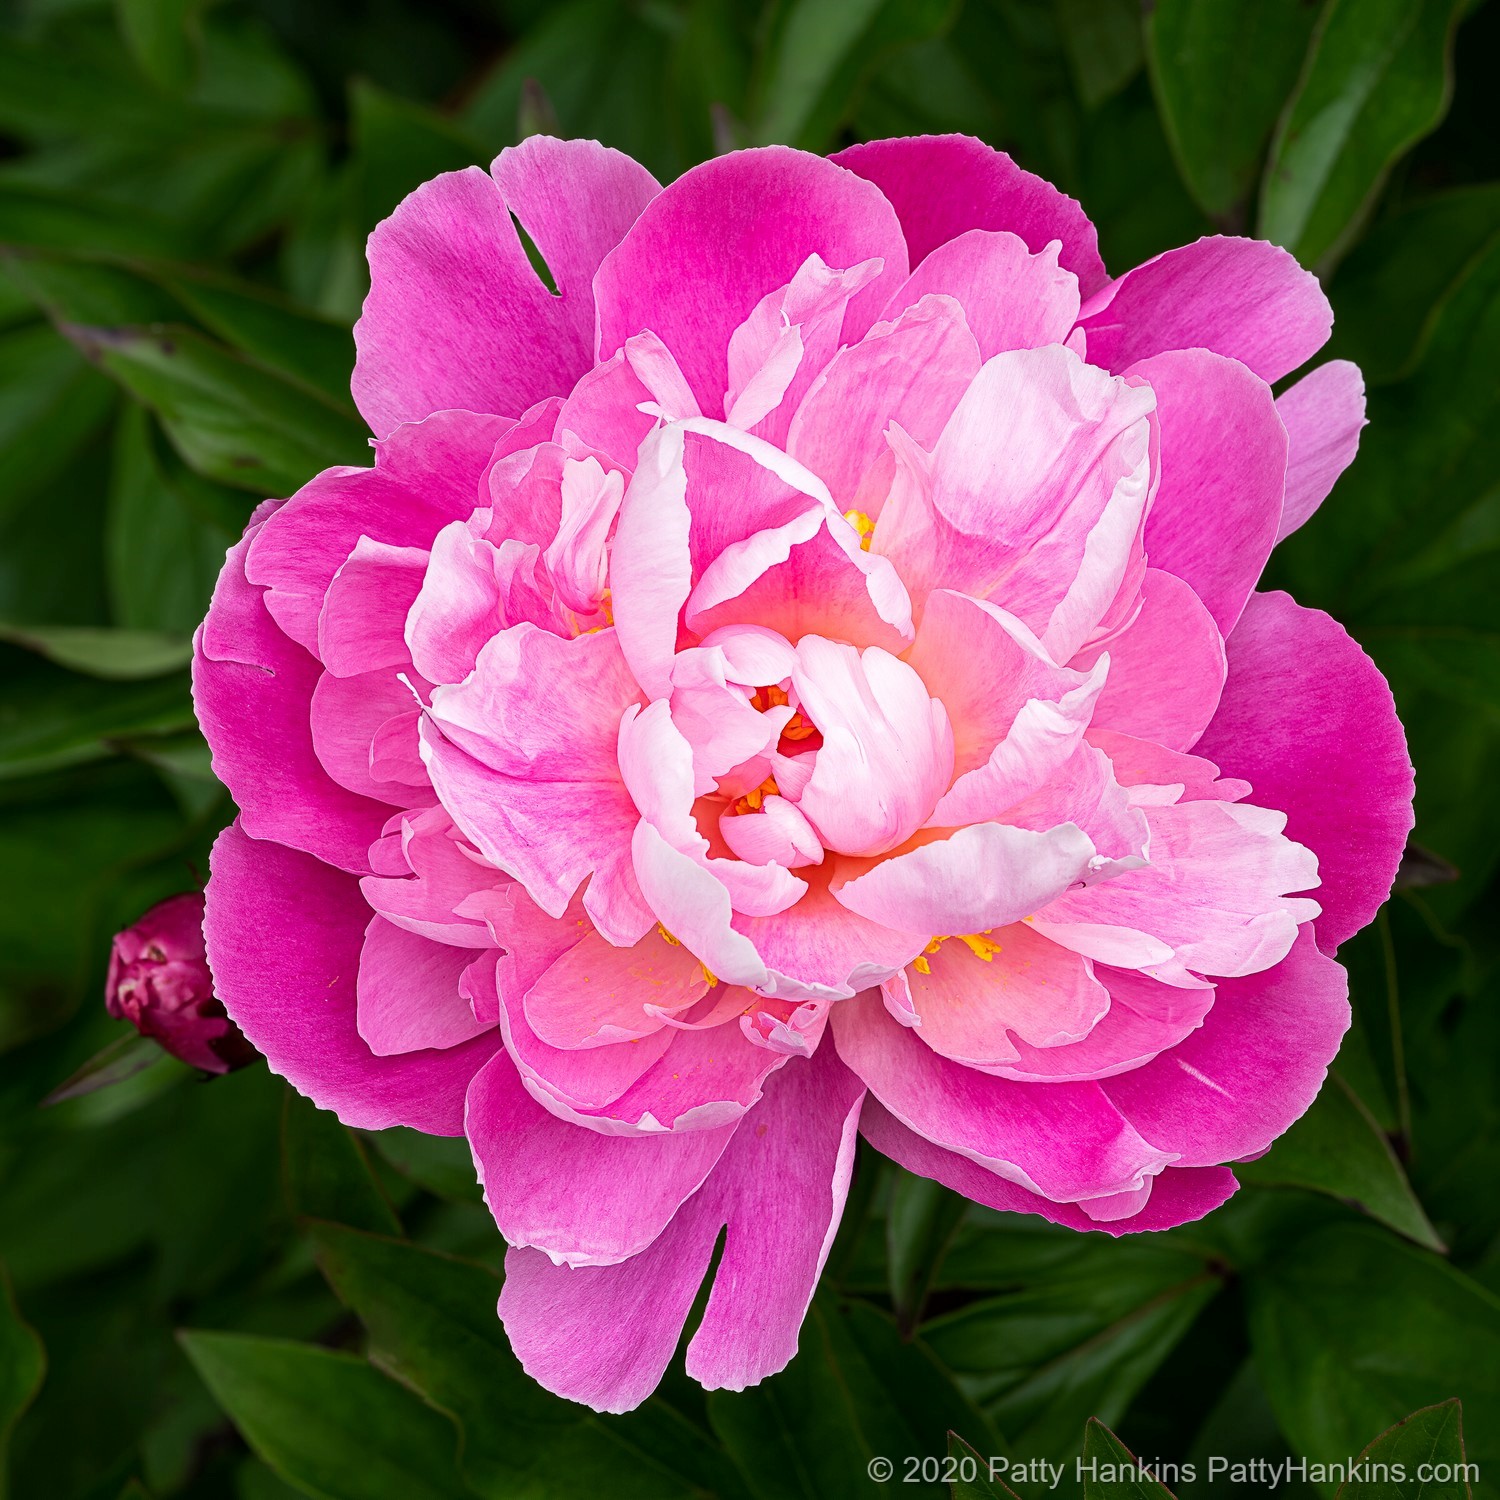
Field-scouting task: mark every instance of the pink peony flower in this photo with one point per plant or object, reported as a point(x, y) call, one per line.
point(803, 676)
point(159, 981)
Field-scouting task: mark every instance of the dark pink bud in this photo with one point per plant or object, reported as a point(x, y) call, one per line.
point(159, 982)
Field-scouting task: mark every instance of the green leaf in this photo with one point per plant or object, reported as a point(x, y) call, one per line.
point(75, 222)
point(1393, 288)
point(116, 655)
point(920, 1222)
point(1428, 1441)
point(1218, 112)
point(1378, 78)
point(1352, 1328)
point(1081, 1327)
point(820, 54)
point(325, 1172)
point(1103, 39)
point(1337, 1148)
point(166, 532)
point(50, 718)
point(157, 33)
point(1112, 1472)
point(856, 1392)
point(123, 1058)
point(22, 1364)
point(432, 1323)
point(444, 1165)
point(327, 1422)
point(232, 421)
point(971, 1474)
point(51, 403)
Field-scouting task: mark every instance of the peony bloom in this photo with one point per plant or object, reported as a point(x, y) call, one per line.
point(159, 981)
point(802, 676)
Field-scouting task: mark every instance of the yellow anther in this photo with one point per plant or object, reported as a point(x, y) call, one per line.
point(982, 947)
point(751, 801)
point(863, 525)
point(667, 936)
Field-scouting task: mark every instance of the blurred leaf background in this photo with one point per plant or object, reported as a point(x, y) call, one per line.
point(220, 1291)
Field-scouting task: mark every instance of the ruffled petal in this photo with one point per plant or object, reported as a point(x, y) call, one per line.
point(408, 992)
point(284, 935)
point(457, 316)
point(1235, 1084)
point(943, 185)
point(1246, 299)
point(727, 233)
point(1307, 719)
point(1322, 414)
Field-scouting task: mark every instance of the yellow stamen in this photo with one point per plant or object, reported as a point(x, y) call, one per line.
point(863, 525)
point(982, 947)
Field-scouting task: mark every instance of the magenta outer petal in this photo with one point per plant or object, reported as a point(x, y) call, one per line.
point(284, 934)
point(1246, 299)
point(1231, 1087)
point(252, 692)
point(727, 233)
point(1223, 475)
point(604, 1335)
point(1178, 1194)
point(1307, 719)
point(583, 1197)
point(456, 316)
point(1323, 414)
point(942, 185)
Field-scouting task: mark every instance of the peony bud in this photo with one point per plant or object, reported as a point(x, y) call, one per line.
point(159, 982)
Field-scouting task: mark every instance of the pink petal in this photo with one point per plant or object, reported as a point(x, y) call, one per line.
point(809, 577)
point(252, 692)
point(1251, 1069)
point(596, 994)
point(603, 411)
point(363, 621)
point(1323, 414)
point(1217, 890)
point(969, 1001)
point(727, 233)
point(778, 832)
point(346, 715)
point(408, 995)
point(442, 877)
point(1033, 496)
point(1139, 762)
point(1166, 668)
point(1017, 716)
point(943, 185)
point(1145, 1018)
point(1066, 1141)
point(425, 475)
point(456, 316)
point(1245, 299)
point(1178, 1195)
point(911, 371)
point(576, 558)
point(523, 755)
point(284, 935)
point(605, 1335)
point(1223, 476)
point(1011, 298)
point(583, 1198)
point(887, 751)
point(984, 876)
point(1308, 720)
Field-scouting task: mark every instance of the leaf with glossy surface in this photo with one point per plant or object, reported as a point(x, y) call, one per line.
point(231, 420)
point(1112, 1472)
point(432, 1323)
point(1378, 78)
point(328, 1422)
point(1218, 112)
point(116, 655)
point(325, 1172)
point(1352, 1329)
point(971, 1473)
point(1337, 1148)
point(856, 1391)
point(1430, 1441)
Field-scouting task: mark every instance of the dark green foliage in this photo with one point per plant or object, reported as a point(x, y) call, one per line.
point(185, 189)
